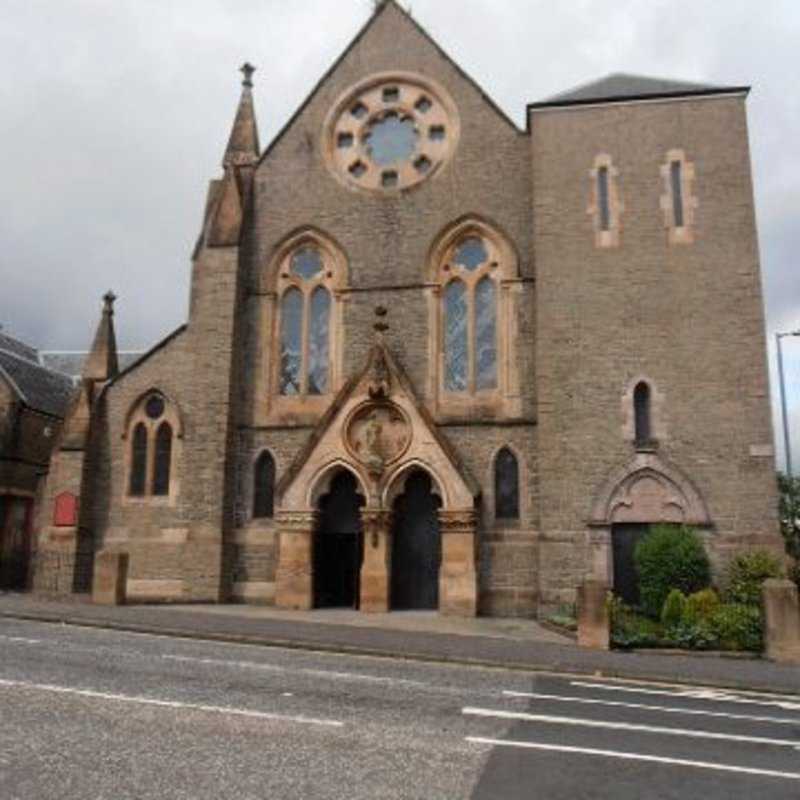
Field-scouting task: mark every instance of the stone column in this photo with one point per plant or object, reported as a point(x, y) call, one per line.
point(602, 558)
point(376, 569)
point(458, 578)
point(110, 578)
point(781, 621)
point(294, 577)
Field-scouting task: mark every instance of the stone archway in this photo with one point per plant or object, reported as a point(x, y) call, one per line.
point(646, 491)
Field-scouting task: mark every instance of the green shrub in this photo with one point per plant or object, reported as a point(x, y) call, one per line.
point(794, 573)
point(747, 572)
point(738, 627)
point(694, 636)
point(673, 609)
point(700, 606)
point(670, 557)
point(629, 629)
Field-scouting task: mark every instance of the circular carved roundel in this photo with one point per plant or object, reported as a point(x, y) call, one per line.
point(391, 132)
point(378, 434)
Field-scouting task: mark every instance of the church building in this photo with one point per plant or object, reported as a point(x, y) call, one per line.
point(433, 360)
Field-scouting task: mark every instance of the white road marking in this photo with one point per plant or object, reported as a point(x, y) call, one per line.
point(19, 639)
point(149, 701)
point(628, 726)
point(317, 673)
point(712, 695)
point(645, 707)
point(589, 751)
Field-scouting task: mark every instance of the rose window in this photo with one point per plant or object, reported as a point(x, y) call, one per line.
point(391, 134)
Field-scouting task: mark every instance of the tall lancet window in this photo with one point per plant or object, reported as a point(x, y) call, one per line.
point(307, 279)
point(475, 301)
point(470, 318)
point(152, 428)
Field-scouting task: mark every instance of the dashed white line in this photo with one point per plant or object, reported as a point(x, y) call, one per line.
point(711, 695)
point(316, 673)
point(150, 701)
point(628, 726)
point(556, 748)
point(702, 712)
point(19, 639)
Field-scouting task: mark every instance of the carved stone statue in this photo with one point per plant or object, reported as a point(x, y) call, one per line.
point(373, 451)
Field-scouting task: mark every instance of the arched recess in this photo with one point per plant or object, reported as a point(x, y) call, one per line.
point(506, 482)
point(395, 482)
point(311, 266)
point(264, 474)
point(649, 490)
point(475, 257)
point(320, 484)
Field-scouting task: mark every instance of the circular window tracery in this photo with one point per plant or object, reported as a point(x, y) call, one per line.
point(391, 132)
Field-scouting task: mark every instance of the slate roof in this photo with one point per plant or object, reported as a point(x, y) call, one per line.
point(71, 362)
point(17, 347)
point(39, 388)
point(621, 86)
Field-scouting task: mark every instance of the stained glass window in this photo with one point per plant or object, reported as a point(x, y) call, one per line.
point(471, 253)
point(291, 342)
point(264, 487)
point(485, 335)
point(306, 263)
point(318, 341)
point(163, 459)
point(138, 461)
point(456, 346)
point(391, 140)
point(506, 485)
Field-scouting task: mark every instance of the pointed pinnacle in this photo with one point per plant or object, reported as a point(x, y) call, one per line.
point(108, 302)
point(247, 69)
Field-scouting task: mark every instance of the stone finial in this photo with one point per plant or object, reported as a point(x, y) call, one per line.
point(381, 326)
point(108, 302)
point(247, 69)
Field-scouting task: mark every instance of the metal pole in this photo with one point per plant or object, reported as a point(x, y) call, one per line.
point(786, 445)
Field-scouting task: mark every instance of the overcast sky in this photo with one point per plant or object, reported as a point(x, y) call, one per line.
point(115, 114)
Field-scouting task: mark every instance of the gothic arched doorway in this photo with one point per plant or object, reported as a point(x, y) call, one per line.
point(416, 546)
point(338, 545)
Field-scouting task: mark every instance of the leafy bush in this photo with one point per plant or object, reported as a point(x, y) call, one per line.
point(700, 606)
point(674, 608)
point(738, 627)
point(629, 629)
point(794, 573)
point(694, 636)
point(670, 557)
point(789, 489)
point(747, 572)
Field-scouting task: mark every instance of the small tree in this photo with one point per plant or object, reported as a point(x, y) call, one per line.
point(789, 489)
point(670, 557)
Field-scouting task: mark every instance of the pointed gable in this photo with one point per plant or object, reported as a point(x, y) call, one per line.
point(378, 429)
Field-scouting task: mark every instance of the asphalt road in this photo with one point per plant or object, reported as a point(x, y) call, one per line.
point(94, 714)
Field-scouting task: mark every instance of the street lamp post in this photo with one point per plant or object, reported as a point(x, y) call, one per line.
point(786, 445)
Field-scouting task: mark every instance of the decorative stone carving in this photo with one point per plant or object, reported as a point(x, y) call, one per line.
point(376, 569)
point(464, 521)
point(648, 489)
point(378, 435)
point(380, 381)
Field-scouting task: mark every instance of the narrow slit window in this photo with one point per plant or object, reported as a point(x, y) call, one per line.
point(603, 199)
point(641, 409)
point(138, 461)
point(264, 487)
point(162, 463)
point(676, 180)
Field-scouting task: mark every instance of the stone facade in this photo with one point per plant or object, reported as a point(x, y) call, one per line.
point(586, 302)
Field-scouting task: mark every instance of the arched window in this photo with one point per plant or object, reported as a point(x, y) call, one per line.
point(470, 316)
point(264, 487)
point(506, 485)
point(306, 280)
point(151, 427)
point(138, 474)
point(162, 463)
point(641, 414)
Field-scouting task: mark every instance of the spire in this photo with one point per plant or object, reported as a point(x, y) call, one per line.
point(101, 363)
point(243, 149)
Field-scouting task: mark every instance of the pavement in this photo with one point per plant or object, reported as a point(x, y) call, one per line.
point(504, 643)
point(92, 714)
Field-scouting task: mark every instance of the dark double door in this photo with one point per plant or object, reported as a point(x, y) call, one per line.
point(338, 548)
point(416, 546)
